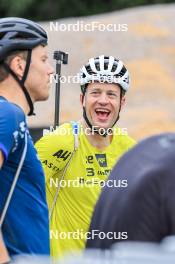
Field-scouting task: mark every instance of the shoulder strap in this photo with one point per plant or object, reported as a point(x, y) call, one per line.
point(75, 129)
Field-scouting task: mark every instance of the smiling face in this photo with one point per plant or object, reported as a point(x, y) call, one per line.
point(38, 78)
point(102, 102)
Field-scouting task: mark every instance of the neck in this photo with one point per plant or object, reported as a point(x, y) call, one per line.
point(96, 140)
point(10, 90)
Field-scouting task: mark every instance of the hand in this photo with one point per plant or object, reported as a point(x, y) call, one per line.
point(1, 159)
point(4, 257)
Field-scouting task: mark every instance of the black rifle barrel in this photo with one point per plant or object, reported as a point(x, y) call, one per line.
point(60, 57)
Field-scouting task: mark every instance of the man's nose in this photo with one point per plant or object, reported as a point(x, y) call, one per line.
point(50, 69)
point(103, 99)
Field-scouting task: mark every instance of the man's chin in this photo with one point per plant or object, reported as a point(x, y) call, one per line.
point(42, 98)
point(101, 125)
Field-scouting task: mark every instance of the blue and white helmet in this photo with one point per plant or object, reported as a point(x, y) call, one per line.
point(104, 69)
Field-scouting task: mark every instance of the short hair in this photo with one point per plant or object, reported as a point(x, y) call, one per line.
point(3, 73)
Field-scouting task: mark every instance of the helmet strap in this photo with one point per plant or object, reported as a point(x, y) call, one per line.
point(22, 81)
point(28, 61)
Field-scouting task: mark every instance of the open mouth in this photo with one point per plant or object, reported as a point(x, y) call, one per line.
point(102, 113)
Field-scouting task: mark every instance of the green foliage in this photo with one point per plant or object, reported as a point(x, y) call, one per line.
point(15, 8)
point(54, 9)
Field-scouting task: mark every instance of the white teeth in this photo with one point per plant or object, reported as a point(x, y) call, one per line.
point(102, 110)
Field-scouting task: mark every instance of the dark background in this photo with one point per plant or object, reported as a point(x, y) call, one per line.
point(36, 133)
point(55, 9)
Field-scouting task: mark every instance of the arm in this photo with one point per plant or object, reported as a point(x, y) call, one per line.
point(4, 257)
point(8, 126)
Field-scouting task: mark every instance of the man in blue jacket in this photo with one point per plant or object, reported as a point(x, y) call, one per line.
point(24, 79)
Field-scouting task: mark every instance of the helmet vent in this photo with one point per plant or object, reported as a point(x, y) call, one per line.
point(97, 65)
point(114, 67)
point(7, 25)
point(106, 66)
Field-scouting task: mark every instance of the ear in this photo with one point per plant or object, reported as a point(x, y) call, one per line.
point(18, 65)
point(123, 101)
point(81, 99)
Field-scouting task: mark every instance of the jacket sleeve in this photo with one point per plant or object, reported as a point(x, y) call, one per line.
point(8, 129)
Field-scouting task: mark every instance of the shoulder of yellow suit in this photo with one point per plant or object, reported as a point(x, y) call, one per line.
point(122, 135)
point(60, 138)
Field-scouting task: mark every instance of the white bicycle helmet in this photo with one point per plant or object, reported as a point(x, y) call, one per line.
point(104, 69)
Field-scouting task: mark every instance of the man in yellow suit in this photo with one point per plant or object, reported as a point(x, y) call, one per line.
point(78, 157)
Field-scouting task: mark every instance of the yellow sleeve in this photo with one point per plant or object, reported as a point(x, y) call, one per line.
point(54, 150)
point(130, 142)
point(124, 141)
